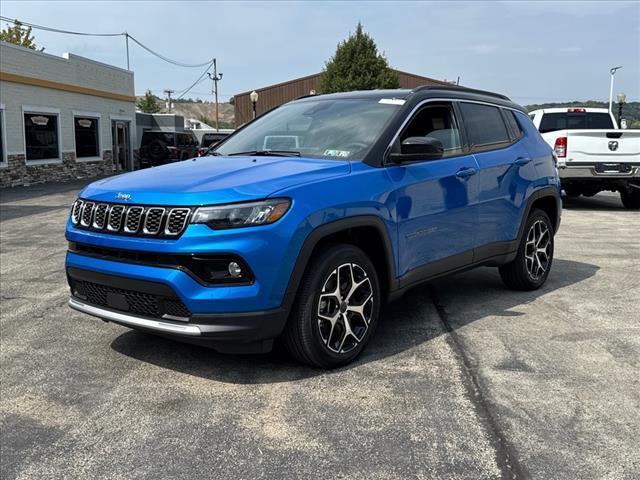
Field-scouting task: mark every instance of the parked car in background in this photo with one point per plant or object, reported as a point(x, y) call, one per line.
point(593, 153)
point(210, 138)
point(158, 147)
point(376, 192)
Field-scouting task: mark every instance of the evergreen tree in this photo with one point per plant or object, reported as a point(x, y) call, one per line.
point(18, 35)
point(357, 65)
point(148, 103)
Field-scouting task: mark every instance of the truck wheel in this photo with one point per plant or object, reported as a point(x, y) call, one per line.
point(572, 192)
point(530, 269)
point(336, 309)
point(630, 198)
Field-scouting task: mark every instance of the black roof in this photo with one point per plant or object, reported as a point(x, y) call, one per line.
point(426, 91)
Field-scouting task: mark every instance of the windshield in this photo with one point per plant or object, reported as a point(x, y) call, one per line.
point(342, 129)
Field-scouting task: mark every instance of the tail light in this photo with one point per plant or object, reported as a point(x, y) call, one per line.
point(173, 152)
point(576, 110)
point(560, 148)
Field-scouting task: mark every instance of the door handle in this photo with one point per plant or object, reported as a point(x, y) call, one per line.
point(520, 161)
point(466, 172)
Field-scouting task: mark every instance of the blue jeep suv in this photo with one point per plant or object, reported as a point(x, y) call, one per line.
point(304, 222)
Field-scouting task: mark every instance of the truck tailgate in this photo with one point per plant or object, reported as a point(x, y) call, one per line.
point(611, 146)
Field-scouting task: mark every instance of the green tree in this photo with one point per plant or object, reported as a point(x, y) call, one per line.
point(18, 35)
point(357, 65)
point(148, 103)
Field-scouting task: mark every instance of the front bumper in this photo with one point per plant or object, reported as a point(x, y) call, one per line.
point(154, 307)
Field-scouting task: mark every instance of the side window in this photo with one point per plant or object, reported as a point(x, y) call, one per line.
point(436, 121)
point(484, 124)
point(512, 121)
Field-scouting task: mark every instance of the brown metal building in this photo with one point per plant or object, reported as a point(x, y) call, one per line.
point(274, 95)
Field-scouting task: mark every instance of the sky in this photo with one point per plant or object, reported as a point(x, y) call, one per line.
point(534, 52)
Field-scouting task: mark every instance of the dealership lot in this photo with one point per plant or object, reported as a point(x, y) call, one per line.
point(464, 379)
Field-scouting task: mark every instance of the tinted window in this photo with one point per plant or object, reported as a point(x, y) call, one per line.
point(436, 121)
point(575, 120)
point(167, 138)
point(86, 133)
point(512, 121)
point(484, 124)
point(41, 136)
point(209, 138)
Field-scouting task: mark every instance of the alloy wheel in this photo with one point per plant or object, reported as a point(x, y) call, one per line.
point(536, 251)
point(345, 308)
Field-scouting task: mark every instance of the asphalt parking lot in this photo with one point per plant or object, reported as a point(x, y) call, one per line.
point(464, 379)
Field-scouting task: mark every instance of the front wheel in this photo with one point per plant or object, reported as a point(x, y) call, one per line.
point(630, 198)
point(336, 310)
point(530, 269)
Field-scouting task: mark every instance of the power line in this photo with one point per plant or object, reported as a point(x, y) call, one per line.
point(57, 30)
point(166, 59)
point(123, 34)
point(200, 79)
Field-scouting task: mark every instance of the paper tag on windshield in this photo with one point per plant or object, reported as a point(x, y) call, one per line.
point(392, 101)
point(336, 153)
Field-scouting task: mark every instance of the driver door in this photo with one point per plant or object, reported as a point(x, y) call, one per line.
point(436, 200)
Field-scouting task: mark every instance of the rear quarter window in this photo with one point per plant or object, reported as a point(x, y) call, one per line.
point(512, 122)
point(484, 124)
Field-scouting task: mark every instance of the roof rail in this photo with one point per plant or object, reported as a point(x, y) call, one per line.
point(460, 89)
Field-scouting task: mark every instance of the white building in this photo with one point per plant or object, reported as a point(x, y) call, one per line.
point(63, 117)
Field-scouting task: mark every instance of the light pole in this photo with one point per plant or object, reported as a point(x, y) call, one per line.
point(622, 98)
point(253, 96)
point(613, 72)
point(216, 77)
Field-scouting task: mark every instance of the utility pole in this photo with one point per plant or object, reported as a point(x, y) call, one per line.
point(169, 104)
point(216, 77)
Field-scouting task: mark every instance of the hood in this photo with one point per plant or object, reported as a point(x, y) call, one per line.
point(214, 180)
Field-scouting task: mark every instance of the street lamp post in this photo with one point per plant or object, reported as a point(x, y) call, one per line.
point(253, 96)
point(612, 72)
point(622, 98)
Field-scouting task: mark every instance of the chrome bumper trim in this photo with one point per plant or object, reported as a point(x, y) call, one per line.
point(134, 321)
point(569, 171)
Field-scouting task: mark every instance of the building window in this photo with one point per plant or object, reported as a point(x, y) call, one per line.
point(41, 136)
point(86, 132)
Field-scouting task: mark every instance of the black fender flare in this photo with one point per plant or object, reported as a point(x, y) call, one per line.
point(330, 228)
point(543, 192)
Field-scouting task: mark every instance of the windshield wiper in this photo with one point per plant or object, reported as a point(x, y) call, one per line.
point(267, 153)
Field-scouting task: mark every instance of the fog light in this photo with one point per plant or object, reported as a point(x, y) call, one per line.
point(234, 270)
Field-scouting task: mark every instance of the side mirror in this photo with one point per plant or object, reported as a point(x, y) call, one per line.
point(415, 149)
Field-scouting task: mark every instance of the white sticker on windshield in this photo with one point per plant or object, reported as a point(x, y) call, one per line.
point(392, 101)
point(336, 153)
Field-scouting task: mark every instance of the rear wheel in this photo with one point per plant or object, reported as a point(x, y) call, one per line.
point(572, 191)
point(630, 198)
point(336, 310)
point(530, 269)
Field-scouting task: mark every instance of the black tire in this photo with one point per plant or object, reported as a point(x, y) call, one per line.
point(524, 272)
point(306, 336)
point(572, 192)
point(630, 198)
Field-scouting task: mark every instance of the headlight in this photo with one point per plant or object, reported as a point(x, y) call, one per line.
point(242, 214)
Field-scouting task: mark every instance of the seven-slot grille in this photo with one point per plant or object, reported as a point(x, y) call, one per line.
point(132, 220)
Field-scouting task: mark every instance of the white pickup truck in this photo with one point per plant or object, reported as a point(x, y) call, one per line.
point(593, 154)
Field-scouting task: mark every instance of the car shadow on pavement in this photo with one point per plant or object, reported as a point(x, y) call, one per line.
point(607, 202)
point(407, 323)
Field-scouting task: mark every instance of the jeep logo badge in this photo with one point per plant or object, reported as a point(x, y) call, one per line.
point(127, 196)
point(613, 145)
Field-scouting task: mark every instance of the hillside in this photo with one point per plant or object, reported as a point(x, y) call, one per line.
point(630, 111)
point(201, 110)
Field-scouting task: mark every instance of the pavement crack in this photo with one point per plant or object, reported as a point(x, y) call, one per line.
point(506, 457)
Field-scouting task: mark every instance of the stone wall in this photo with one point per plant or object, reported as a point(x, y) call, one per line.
point(19, 172)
